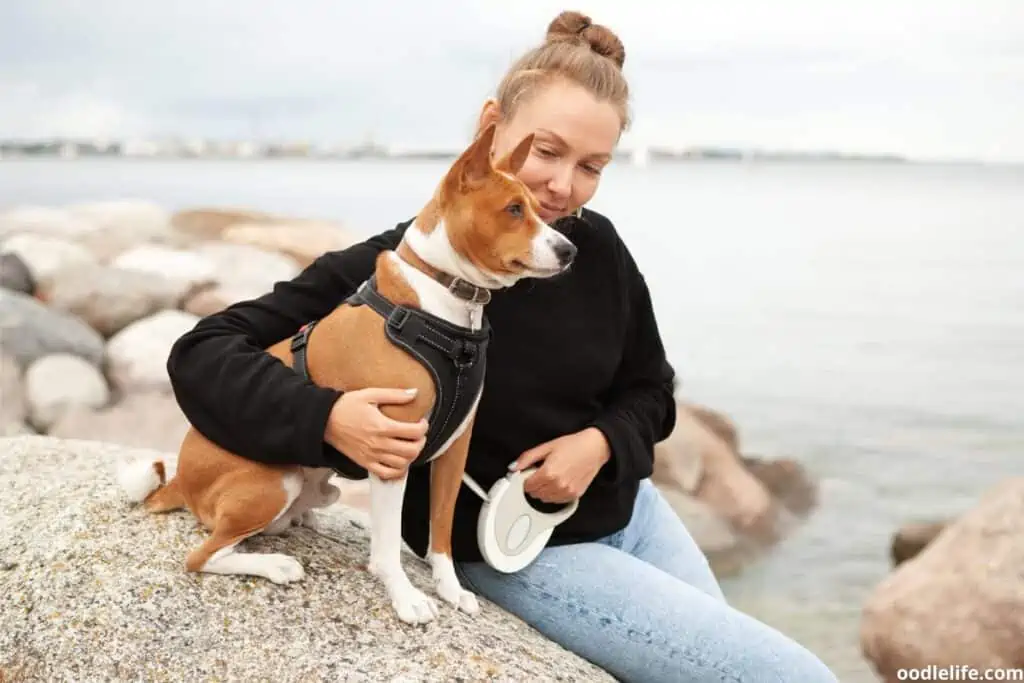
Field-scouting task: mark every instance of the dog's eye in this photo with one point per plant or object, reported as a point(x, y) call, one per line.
point(516, 209)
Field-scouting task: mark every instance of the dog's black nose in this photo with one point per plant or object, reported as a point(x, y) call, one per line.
point(566, 252)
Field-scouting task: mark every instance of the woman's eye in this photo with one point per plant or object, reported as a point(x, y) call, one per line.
point(516, 209)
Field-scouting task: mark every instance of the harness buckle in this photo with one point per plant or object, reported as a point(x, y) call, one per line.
point(398, 317)
point(465, 353)
point(300, 338)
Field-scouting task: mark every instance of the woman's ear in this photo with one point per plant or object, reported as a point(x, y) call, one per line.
point(489, 113)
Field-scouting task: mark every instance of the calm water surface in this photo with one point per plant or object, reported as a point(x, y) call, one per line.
point(866, 319)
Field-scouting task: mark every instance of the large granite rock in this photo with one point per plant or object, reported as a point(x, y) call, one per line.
point(960, 601)
point(118, 225)
point(94, 588)
point(109, 299)
point(302, 242)
point(46, 256)
point(142, 419)
point(59, 383)
point(736, 506)
point(137, 355)
point(43, 220)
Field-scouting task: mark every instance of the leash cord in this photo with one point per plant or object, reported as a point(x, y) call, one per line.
point(474, 486)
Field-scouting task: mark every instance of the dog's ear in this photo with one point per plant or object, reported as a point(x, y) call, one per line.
point(514, 160)
point(475, 163)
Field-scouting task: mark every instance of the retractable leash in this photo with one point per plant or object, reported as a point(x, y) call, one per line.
point(510, 531)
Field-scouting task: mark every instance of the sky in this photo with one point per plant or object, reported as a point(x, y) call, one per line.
point(929, 79)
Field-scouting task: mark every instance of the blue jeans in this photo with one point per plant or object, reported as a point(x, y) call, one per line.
point(643, 605)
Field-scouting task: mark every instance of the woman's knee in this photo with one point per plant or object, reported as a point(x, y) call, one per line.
point(764, 654)
point(639, 623)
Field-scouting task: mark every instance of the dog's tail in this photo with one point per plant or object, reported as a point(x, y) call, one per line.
point(145, 481)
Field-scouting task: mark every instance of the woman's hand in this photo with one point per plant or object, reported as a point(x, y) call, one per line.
point(359, 430)
point(570, 463)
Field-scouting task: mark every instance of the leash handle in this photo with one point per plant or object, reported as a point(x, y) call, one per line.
point(518, 479)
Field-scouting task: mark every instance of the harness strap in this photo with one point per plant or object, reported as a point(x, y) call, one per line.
point(457, 343)
point(299, 342)
point(454, 356)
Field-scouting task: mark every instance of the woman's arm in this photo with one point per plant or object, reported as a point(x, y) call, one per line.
point(249, 402)
point(640, 406)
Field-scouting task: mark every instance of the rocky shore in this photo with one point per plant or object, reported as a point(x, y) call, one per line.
point(93, 296)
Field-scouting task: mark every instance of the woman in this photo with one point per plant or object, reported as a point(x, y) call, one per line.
point(578, 384)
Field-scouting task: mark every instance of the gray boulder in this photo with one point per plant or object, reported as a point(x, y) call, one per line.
point(29, 330)
point(15, 274)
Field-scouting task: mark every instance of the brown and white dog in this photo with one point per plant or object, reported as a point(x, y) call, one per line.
point(482, 227)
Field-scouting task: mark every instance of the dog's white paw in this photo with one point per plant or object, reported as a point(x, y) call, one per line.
point(457, 596)
point(412, 605)
point(282, 568)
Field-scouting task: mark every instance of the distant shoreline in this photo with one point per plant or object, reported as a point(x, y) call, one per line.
point(417, 159)
point(177, 149)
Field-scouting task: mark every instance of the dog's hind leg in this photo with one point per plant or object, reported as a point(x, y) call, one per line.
point(251, 506)
point(166, 498)
point(412, 605)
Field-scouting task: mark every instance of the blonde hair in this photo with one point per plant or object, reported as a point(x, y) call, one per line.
point(575, 50)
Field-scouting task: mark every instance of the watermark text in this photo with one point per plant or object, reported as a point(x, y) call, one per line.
point(959, 673)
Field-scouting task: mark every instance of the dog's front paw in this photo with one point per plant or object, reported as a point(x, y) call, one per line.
point(283, 569)
point(446, 582)
point(413, 605)
point(457, 596)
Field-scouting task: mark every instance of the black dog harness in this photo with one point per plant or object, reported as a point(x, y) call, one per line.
point(455, 356)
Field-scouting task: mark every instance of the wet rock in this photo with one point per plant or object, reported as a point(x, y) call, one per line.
point(911, 539)
point(960, 602)
point(787, 480)
point(694, 460)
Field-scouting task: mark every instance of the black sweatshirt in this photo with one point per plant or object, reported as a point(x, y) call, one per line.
point(579, 350)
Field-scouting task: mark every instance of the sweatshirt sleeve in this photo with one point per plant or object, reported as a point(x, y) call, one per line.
point(249, 402)
point(640, 408)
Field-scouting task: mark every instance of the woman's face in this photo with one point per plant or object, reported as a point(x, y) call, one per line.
point(575, 136)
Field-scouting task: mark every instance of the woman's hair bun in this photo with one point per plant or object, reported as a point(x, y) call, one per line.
point(574, 27)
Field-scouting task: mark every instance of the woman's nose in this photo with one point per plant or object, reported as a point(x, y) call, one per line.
point(560, 183)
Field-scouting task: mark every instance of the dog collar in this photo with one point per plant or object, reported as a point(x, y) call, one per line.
point(511, 533)
point(464, 289)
